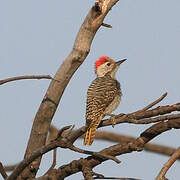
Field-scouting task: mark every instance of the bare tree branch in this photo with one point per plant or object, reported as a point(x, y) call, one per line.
point(168, 164)
point(2, 171)
point(54, 161)
point(62, 77)
point(58, 142)
point(39, 144)
point(133, 118)
point(155, 102)
point(116, 150)
point(87, 171)
point(106, 25)
point(153, 120)
point(23, 164)
point(136, 145)
point(114, 137)
point(139, 115)
point(96, 154)
point(9, 168)
point(117, 178)
point(100, 176)
point(17, 78)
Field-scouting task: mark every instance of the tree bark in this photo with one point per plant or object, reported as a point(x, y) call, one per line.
point(62, 77)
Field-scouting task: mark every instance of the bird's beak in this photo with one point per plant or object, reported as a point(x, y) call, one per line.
point(120, 62)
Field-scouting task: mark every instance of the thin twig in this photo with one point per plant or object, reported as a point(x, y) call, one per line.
point(101, 176)
point(96, 154)
point(53, 163)
point(168, 164)
point(54, 158)
point(61, 131)
point(106, 25)
point(152, 120)
point(3, 81)
point(10, 167)
point(2, 171)
point(138, 115)
point(116, 178)
point(53, 133)
point(155, 102)
point(69, 132)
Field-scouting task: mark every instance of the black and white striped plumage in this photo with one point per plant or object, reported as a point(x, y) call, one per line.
point(103, 95)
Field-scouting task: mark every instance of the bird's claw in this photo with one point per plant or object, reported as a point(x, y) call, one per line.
point(113, 121)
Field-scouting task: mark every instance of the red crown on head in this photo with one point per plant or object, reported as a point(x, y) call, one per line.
point(100, 61)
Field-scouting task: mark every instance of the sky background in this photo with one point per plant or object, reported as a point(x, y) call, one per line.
point(35, 38)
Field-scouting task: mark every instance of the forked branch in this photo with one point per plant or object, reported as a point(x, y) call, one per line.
point(168, 164)
point(116, 150)
point(67, 136)
point(51, 100)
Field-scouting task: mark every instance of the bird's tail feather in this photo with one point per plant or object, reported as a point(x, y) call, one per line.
point(90, 134)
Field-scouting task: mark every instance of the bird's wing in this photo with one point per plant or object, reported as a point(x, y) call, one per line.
point(100, 94)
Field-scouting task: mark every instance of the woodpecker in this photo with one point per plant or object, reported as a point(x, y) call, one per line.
point(103, 95)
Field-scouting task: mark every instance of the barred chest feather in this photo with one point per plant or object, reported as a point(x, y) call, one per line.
point(114, 104)
point(103, 97)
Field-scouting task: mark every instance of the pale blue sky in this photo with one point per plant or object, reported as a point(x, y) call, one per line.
point(36, 36)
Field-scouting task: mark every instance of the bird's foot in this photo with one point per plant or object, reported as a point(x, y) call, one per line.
point(113, 119)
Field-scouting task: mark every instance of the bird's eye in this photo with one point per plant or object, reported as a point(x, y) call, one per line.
point(108, 64)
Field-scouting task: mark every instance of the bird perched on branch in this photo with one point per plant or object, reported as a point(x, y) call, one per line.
point(103, 95)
